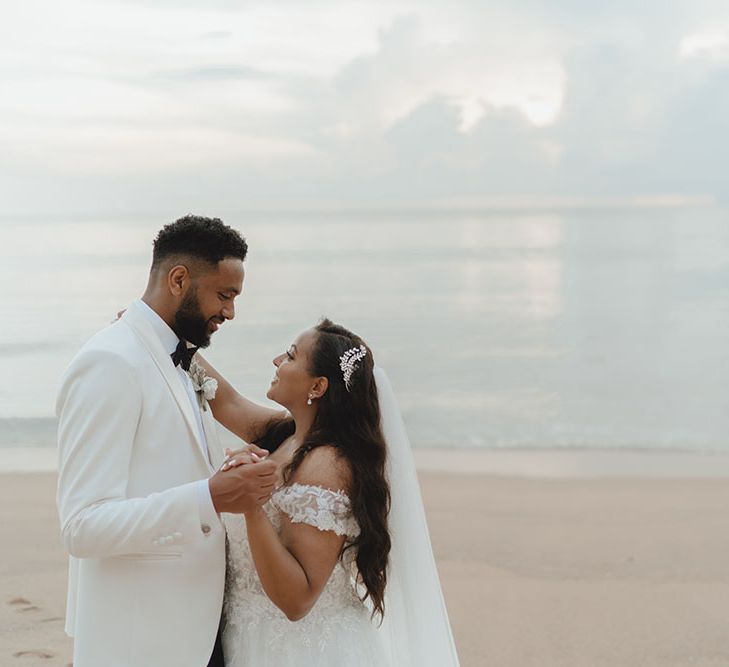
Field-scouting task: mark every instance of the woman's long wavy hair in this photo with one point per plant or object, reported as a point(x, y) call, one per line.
point(350, 421)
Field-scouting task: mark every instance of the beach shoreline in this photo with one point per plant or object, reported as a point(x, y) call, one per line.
point(529, 463)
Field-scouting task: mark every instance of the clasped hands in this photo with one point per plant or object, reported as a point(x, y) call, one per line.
point(244, 482)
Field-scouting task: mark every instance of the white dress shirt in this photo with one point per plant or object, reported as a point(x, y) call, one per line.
point(170, 341)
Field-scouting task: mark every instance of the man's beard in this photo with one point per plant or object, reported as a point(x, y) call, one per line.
point(190, 324)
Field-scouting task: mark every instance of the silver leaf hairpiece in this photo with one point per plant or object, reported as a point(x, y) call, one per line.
point(348, 362)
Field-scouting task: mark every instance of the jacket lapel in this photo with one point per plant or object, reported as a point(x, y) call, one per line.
point(211, 435)
point(136, 320)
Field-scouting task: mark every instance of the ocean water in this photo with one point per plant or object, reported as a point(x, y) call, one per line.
point(581, 328)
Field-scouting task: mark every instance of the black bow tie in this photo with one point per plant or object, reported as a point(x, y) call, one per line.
point(182, 356)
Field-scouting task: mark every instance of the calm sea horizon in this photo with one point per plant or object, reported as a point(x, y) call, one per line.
point(581, 328)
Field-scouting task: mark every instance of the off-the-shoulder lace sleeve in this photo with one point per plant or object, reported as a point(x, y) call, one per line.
point(316, 506)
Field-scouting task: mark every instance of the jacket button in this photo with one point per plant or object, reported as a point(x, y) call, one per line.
point(205, 528)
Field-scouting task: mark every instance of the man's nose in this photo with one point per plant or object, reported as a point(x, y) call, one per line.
point(277, 360)
point(228, 311)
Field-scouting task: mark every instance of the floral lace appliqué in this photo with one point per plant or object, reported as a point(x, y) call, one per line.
point(316, 506)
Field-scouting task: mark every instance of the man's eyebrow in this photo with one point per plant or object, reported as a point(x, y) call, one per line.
point(232, 289)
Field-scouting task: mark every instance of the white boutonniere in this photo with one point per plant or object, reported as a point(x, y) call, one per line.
point(204, 386)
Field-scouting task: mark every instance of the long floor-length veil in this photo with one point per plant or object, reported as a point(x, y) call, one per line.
point(415, 629)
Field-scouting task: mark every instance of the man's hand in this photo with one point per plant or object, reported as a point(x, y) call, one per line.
point(244, 488)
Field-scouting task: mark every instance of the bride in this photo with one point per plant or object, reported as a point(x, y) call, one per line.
point(336, 569)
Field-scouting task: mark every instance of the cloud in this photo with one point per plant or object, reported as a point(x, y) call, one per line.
point(408, 69)
point(710, 46)
point(210, 72)
point(695, 153)
point(216, 34)
point(233, 103)
point(483, 162)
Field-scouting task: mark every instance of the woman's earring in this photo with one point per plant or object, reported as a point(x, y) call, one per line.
point(308, 402)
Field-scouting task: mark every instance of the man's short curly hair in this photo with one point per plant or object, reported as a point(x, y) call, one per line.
point(206, 239)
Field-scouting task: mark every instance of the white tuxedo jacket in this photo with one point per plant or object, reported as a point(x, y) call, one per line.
point(147, 569)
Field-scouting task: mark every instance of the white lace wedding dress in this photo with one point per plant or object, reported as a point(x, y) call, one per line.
point(337, 631)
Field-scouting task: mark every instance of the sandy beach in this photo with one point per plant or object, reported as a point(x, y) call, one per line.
point(538, 571)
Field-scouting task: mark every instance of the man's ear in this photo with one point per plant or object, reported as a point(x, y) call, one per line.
point(178, 279)
point(319, 388)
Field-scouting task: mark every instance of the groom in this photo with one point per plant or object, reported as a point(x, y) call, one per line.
point(138, 495)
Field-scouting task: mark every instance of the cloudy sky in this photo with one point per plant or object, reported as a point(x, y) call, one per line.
point(139, 106)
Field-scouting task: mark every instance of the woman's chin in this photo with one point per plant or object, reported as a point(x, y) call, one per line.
point(271, 395)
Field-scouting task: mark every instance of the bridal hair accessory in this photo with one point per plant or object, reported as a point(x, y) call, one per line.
point(205, 387)
point(348, 362)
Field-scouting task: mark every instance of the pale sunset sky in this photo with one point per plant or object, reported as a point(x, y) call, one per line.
point(112, 108)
